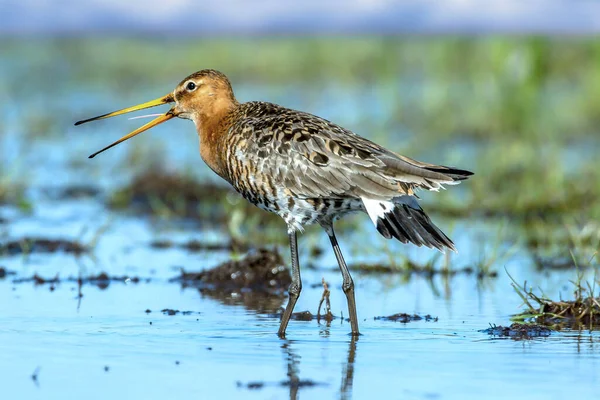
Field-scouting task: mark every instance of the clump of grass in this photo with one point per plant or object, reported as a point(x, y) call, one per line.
point(581, 312)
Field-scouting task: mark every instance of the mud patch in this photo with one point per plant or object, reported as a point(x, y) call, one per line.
point(259, 270)
point(30, 245)
point(405, 318)
point(518, 331)
point(258, 281)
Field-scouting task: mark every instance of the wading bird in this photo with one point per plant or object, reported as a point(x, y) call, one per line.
point(304, 168)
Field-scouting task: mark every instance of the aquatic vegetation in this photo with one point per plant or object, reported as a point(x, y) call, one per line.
point(328, 315)
point(580, 313)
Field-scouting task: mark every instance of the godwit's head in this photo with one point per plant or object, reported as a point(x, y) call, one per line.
point(202, 97)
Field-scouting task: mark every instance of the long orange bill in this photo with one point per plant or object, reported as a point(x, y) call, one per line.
point(139, 130)
point(153, 103)
point(157, 102)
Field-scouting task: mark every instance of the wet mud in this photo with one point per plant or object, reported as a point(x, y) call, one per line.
point(259, 270)
point(258, 281)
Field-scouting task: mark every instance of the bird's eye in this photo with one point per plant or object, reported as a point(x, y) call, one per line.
point(190, 86)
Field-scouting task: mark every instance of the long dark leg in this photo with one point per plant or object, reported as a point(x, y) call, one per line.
point(348, 284)
point(295, 287)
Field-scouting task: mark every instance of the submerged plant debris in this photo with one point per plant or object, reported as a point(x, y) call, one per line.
point(328, 316)
point(29, 245)
point(518, 331)
point(405, 318)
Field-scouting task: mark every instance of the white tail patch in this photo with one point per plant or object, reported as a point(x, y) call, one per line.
point(377, 208)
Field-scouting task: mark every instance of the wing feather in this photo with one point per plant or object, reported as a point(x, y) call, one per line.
point(314, 158)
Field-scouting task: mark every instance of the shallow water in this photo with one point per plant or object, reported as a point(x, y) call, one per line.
point(222, 350)
point(104, 344)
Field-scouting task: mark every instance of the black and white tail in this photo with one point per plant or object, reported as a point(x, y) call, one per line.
point(403, 219)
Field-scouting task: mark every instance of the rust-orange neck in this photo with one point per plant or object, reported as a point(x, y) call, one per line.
point(212, 130)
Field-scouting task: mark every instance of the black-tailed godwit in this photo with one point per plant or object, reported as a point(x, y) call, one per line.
point(305, 169)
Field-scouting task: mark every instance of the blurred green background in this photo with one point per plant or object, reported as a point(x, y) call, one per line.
point(522, 112)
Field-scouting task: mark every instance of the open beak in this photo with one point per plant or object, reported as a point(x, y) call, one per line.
point(157, 102)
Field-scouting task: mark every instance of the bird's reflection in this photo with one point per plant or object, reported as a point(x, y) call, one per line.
point(348, 370)
point(294, 382)
point(293, 364)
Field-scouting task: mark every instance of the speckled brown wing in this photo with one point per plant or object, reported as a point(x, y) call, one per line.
point(314, 158)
